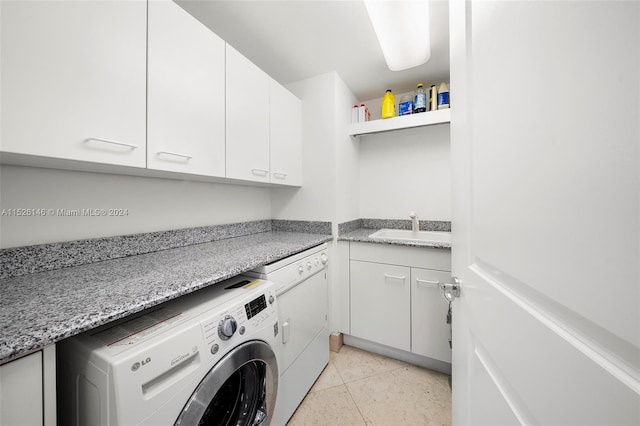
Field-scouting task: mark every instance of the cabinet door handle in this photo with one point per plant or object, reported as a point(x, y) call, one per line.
point(259, 172)
point(128, 145)
point(419, 281)
point(280, 175)
point(395, 277)
point(175, 154)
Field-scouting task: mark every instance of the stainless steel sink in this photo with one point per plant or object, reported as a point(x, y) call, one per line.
point(408, 235)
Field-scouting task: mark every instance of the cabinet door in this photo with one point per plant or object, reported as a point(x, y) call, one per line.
point(21, 395)
point(285, 136)
point(380, 303)
point(430, 332)
point(74, 80)
point(247, 117)
point(185, 93)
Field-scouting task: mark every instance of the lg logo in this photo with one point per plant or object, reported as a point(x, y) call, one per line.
point(137, 365)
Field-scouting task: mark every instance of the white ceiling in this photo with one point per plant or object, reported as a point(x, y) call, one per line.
point(297, 39)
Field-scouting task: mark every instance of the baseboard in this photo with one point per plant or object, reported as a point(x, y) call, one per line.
point(422, 361)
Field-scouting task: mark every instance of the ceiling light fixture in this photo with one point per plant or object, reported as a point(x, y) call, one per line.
point(402, 28)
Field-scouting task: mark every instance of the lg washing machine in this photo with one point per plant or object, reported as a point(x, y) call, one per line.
point(206, 358)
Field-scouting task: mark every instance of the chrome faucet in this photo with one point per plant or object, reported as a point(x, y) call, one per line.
point(415, 224)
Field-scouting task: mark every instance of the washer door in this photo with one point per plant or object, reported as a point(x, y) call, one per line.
point(240, 390)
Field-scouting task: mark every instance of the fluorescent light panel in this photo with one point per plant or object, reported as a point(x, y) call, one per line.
point(402, 28)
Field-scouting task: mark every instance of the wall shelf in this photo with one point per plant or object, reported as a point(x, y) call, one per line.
point(402, 122)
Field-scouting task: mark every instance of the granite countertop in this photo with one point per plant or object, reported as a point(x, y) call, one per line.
point(360, 229)
point(362, 235)
point(42, 308)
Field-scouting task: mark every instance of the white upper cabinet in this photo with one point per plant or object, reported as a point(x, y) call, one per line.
point(285, 136)
point(247, 118)
point(74, 80)
point(97, 82)
point(186, 93)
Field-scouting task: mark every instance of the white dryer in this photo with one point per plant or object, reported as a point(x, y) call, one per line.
point(302, 291)
point(205, 358)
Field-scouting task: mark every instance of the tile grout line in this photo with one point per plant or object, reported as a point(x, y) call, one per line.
point(345, 384)
point(356, 404)
point(371, 375)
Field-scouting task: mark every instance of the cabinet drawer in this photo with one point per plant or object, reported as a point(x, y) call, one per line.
point(421, 257)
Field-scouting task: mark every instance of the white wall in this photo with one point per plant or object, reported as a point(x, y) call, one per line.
point(406, 170)
point(316, 199)
point(152, 204)
point(329, 155)
point(346, 157)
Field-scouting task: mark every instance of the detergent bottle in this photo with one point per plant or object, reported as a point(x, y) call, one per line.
point(388, 105)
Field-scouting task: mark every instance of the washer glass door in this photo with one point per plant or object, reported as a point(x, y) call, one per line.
point(240, 390)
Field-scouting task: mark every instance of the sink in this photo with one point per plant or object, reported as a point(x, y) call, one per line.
point(408, 235)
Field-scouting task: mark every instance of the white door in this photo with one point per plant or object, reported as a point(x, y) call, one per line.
point(301, 322)
point(545, 150)
point(247, 118)
point(186, 106)
point(74, 80)
point(381, 303)
point(429, 331)
point(285, 135)
point(21, 393)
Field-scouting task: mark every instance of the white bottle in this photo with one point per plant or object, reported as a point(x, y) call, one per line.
point(354, 114)
point(443, 96)
point(362, 113)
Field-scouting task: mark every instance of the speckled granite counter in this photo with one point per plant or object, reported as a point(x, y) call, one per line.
point(43, 308)
point(360, 229)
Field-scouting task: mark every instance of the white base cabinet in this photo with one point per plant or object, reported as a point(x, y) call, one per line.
point(395, 299)
point(28, 390)
point(429, 332)
point(380, 303)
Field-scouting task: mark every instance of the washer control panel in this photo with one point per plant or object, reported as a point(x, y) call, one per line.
point(241, 319)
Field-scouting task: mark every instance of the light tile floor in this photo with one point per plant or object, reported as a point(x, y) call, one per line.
point(363, 388)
